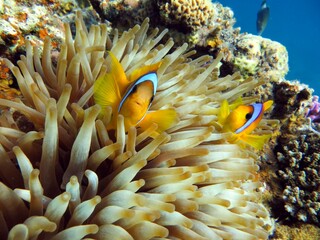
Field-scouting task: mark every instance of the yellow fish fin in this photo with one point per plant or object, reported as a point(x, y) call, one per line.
point(267, 105)
point(256, 141)
point(106, 92)
point(236, 103)
point(118, 73)
point(224, 112)
point(137, 73)
point(163, 118)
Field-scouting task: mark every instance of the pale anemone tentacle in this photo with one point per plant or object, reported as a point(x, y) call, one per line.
point(185, 183)
point(57, 207)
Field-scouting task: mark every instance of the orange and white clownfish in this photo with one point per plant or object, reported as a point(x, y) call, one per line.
point(132, 96)
point(242, 121)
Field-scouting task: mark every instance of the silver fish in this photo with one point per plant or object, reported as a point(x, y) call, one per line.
point(262, 17)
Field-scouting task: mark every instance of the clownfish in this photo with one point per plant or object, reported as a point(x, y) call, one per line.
point(132, 96)
point(242, 121)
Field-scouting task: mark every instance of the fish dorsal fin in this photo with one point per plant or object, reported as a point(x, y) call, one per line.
point(226, 108)
point(267, 105)
point(137, 73)
point(106, 92)
point(236, 103)
point(224, 112)
point(116, 70)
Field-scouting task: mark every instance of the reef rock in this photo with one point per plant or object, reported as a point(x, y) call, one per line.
point(254, 55)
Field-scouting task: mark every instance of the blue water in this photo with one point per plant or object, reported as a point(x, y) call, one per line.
point(293, 23)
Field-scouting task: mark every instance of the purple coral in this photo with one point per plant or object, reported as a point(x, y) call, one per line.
point(313, 111)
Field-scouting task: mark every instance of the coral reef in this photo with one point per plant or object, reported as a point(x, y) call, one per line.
point(291, 99)
point(294, 165)
point(79, 179)
point(198, 22)
point(298, 158)
point(126, 13)
point(33, 21)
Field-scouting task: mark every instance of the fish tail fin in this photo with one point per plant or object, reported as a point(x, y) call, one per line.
point(163, 118)
point(267, 105)
point(256, 141)
point(106, 92)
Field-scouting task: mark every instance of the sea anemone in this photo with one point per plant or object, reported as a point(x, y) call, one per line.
point(65, 176)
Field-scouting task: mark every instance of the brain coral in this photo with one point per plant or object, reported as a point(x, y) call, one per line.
point(188, 15)
point(68, 177)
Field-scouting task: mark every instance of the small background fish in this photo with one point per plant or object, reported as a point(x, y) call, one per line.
point(262, 17)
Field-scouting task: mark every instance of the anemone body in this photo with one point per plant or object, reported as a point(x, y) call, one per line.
point(67, 177)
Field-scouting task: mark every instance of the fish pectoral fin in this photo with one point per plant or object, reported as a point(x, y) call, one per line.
point(106, 92)
point(163, 118)
point(256, 141)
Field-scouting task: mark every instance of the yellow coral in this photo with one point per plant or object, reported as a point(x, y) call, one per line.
point(214, 42)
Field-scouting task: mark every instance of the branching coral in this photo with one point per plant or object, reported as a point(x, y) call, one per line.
point(299, 175)
point(292, 166)
point(68, 177)
point(296, 155)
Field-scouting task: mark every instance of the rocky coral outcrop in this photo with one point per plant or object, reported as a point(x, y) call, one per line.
point(188, 15)
point(296, 182)
point(254, 55)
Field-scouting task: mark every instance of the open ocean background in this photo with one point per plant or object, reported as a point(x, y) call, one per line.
point(293, 23)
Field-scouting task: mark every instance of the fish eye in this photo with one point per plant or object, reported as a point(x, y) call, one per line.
point(248, 116)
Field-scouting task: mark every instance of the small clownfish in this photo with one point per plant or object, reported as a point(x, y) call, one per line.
point(242, 121)
point(132, 96)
